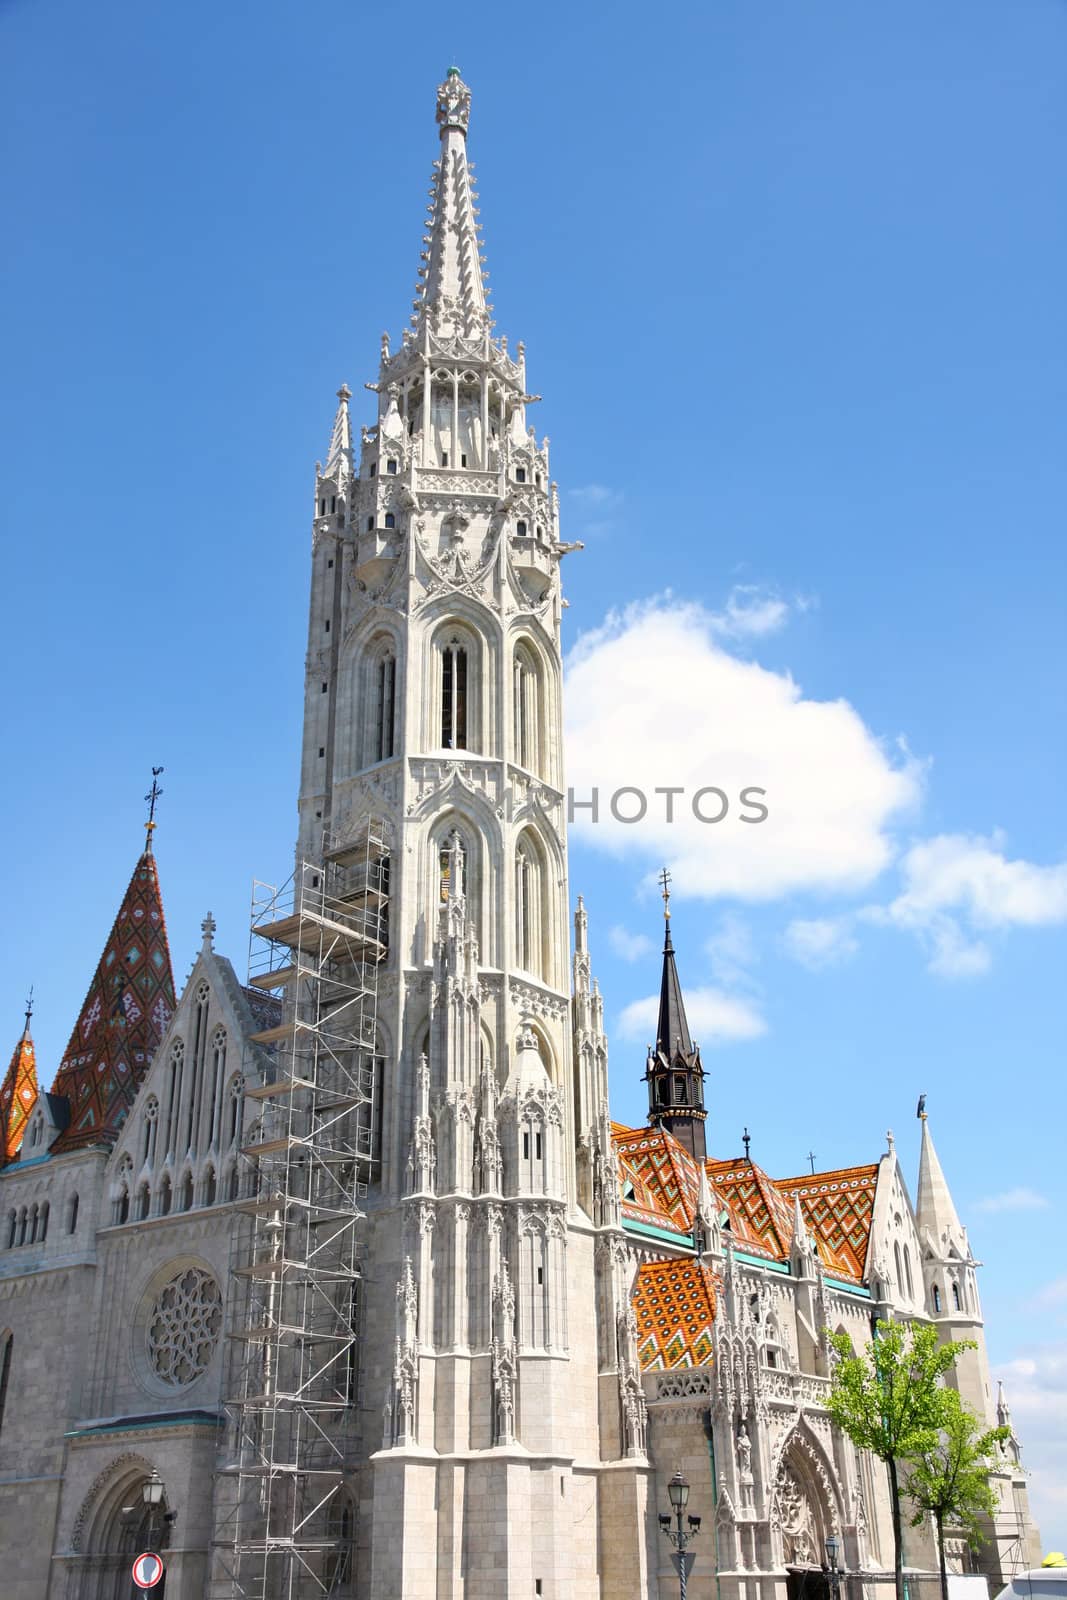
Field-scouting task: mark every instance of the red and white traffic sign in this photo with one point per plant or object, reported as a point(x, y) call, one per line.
point(147, 1570)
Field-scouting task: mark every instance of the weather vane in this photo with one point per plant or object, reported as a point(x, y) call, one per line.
point(920, 1109)
point(665, 890)
point(29, 1005)
point(746, 1140)
point(152, 796)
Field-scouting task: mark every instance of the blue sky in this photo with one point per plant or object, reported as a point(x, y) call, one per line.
point(790, 279)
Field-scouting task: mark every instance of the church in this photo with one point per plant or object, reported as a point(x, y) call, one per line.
point(334, 1276)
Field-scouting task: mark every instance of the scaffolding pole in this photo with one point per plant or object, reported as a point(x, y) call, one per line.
point(317, 944)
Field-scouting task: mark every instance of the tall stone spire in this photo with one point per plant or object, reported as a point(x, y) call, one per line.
point(935, 1214)
point(18, 1093)
point(673, 1070)
point(451, 294)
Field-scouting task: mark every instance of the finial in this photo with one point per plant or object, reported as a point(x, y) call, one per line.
point(344, 394)
point(811, 1158)
point(746, 1140)
point(920, 1109)
point(665, 890)
point(152, 796)
point(207, 928)
point(890, 1141)
point(29, 1008)
point(453, 103)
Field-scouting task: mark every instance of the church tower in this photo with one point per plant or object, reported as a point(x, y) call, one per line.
point(496, 1362)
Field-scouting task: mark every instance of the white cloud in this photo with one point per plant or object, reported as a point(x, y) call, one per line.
point(732, 951)
point(1021, 1199)
point(750, 612)
point(1036, 1389)
point(630, 946)
point(714, 1018)
point(820, 942)
point(957, 886)
point(654, 699)
point(1053, 1294)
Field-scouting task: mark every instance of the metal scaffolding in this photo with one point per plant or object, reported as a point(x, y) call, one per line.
point(317, 944)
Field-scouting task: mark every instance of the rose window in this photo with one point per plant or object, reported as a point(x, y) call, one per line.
point(184, 1327)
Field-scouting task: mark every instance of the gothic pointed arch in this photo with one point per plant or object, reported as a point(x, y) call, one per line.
point(373, 675)
point(806, 1502)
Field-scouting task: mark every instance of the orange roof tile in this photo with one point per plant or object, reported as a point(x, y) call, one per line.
point(838, 1207)
point(669, 1175)
point(123, 1019)
point(674, 1302)
point(18, 1096)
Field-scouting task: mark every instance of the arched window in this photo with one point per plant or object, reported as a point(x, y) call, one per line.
point(236, 1111)
point(529, 885)
point(166, 1196)
point(192, 1109)
point(233, 1187)
point(340, 1531)
point(72, 1214)
point(520, 529)
point(907, 1273)
point(22, 1225)
point(526, 709)
point(390, 519)
point(454, 694)
point(956, 1296)
point(452, 869)
point(900, 1267)
point(218, 1077)
point(382, 735)
point(937, 1298)
point(174, 1093)
point(148, 1135)
point(12, 1228)
point(7, 1343)
point(210, 1187)
point(43, 1231)
point(144, 1202)
point(122, 1205)
point(187, 1192)
point(33, 1225)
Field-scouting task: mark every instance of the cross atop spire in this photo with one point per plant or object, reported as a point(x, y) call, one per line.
point(673, 1071)
point(665, 890)
point(152, 796)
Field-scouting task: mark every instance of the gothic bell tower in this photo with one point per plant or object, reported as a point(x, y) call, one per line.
point(433, 718)
point(673, 1070)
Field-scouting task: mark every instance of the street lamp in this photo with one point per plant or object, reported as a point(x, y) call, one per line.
point(680, 1538)
point(152, 1495)
point(833, 1550)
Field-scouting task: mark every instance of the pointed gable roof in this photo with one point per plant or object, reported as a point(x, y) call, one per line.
point(123, 1018)
point(18, 1095)
point(838, 1208)
point(674, 1304)
point(339, 457)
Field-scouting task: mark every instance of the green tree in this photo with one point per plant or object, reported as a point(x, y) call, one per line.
point(891, 1401)
point(951, 1480)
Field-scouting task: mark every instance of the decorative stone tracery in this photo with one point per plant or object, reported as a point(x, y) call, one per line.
point(184, 1326)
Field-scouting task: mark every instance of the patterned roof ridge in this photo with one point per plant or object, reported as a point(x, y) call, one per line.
point(123, 1018)
point(838, 1207)
point(18, 1095)
point(674, 1303)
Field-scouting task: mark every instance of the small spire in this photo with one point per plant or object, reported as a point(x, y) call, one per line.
point(207, 928)
point(451, 292)
point(935, 1213)
point(339, 456)
point(746, 1140)
point(891, 1143)
point(152, 796)
point(29, 1013)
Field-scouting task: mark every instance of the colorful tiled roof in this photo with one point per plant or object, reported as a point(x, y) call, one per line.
point(18, 1096)
point(668, 1174)
point(749, 1192)
point(674, 1302)
point(123, 1019)
point(839, 1209)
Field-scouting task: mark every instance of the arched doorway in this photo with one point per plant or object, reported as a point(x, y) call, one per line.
point(118, 1522)
point(804, 1513)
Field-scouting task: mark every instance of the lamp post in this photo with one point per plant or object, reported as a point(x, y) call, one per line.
point(152, 1495)
point(679, 1536)
point(833, 1550)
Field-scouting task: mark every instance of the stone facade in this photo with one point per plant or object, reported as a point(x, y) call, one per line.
point(555, 1313)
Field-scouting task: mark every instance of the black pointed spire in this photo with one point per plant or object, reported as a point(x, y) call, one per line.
point(673, 1071)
